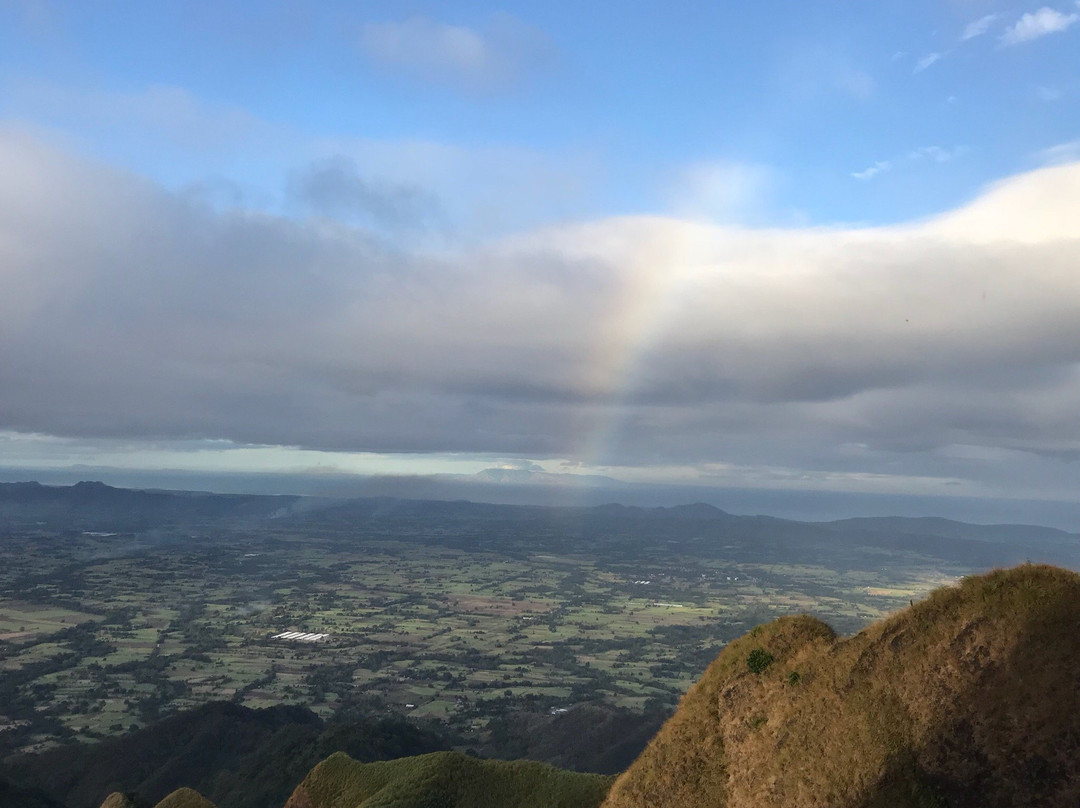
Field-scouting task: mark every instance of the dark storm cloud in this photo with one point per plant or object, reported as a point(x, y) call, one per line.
point(130, 312)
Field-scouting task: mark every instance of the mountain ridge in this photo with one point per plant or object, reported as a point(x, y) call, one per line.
point(967, 699)
point(95, 506)
point(91, 492)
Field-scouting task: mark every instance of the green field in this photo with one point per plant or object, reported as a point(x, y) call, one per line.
point(103, 633)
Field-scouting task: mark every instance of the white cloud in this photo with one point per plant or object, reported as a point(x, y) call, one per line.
point(979, 27)
point(1049, 94)
point(880, 167)
point(477, 191)
point(926, 62)
point(665, 341)
point(165, 111)
point(724, 192)
point(457, 55)
point(459, 191)
point(1060, 154)
point(1038, 24)
point(936, 154)
point(423, 43)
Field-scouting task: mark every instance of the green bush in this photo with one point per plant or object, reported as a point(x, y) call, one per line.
point(759, 660)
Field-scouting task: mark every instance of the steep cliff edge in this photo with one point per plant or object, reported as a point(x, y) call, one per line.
point(969, 698)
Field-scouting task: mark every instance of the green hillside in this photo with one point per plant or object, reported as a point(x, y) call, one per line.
point(238, 757)
point(446, 780)
point(595, 738)
point(969, 698)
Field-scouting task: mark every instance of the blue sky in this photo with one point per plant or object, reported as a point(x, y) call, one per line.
point(824, 247)
point(627, 97)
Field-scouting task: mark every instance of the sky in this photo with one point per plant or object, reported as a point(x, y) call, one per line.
point(781, 246)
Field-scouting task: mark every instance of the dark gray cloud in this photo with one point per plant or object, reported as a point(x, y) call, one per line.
point(930, 354)
point(335, 187)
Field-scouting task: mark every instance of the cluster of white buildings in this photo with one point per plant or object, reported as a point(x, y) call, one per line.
point(300, 636)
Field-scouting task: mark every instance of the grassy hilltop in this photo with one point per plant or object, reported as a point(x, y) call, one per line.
point(446, 779)
point(969, 698)
point(185, 798)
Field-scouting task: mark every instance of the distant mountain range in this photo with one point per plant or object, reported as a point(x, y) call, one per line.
point(94, 506)
point(531, 486)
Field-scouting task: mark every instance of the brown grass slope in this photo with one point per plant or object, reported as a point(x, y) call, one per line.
point(970, 698)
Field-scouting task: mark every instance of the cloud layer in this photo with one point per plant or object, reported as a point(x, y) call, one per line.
point(917, 351)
